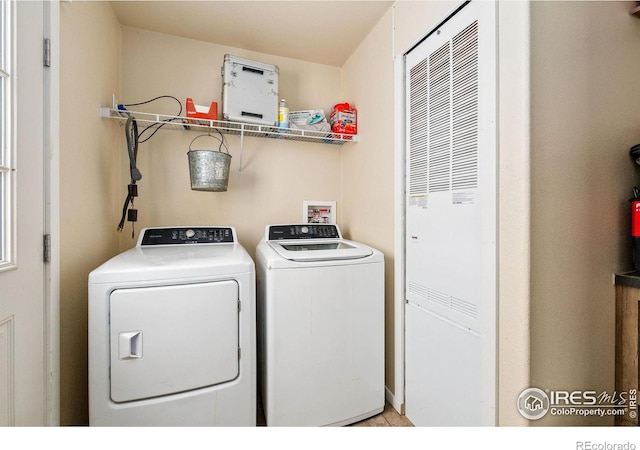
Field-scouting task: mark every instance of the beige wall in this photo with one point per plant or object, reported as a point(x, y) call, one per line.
point(572, 143)
point(584, 118)
point(513, 209)
point(89, 186)
point(277, 175)
point(367, 167)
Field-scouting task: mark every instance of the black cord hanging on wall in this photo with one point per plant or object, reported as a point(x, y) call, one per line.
point(133, 137)
point(123, 108)
point(131, 214)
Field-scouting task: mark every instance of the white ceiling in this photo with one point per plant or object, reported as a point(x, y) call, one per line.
point(325, 32)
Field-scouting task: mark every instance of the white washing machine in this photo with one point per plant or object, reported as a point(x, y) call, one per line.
point(320, 326)
point(172, 332)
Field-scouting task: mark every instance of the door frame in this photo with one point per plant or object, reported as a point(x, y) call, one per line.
point(52, 214)
point(400, 153)
point(400, 121)
point(398, 400)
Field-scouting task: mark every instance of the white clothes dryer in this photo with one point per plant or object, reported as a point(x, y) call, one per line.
point(320, 326)
point(172, 332)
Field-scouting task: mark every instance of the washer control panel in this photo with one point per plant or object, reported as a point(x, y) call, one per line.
point(186, 235)
point(303, 231)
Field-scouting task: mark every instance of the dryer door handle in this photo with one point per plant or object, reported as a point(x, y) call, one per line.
point(130, 345)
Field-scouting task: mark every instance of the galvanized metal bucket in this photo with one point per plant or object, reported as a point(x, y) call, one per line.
point(208, 169)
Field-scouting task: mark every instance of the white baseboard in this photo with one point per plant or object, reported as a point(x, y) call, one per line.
point(393, 401)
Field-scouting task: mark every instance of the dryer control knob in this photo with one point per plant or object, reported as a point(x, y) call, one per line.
point(304, 230)
point(190, 233)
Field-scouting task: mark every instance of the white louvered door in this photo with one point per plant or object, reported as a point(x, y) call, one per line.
point(451, 222)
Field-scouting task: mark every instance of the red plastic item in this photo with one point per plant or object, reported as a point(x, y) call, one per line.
point(211, 115)
point(635, 218)
point(344, 119)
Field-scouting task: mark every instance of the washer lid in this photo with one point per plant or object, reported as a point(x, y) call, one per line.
point(320, 250)
point(313, 242)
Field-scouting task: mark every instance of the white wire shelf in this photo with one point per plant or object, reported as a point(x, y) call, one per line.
point(234, 128)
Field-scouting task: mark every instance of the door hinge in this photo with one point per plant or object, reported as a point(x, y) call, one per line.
point(46, 246)
point(46, 54)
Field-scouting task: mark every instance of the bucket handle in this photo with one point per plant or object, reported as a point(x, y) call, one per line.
point(222, 143)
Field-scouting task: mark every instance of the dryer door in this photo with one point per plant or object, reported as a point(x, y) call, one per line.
point(170, 339)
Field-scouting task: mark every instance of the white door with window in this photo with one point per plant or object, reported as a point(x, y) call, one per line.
point(23, 340)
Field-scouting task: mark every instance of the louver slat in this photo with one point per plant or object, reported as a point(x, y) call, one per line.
point(443, 151)
point(465, 109)
point(419, 141)
point(439, 126)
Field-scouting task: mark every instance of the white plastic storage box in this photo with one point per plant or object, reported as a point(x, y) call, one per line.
point(249, 91)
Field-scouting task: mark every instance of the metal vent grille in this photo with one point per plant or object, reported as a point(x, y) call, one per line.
point(443, 91)
point(465, 109)
point(419, 118)
point(464, 307)
point(440, 119)
point(439, 298)
point(417, 289)
point(444, 300)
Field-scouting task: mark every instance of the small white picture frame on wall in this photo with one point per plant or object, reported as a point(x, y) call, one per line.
point(317, 211)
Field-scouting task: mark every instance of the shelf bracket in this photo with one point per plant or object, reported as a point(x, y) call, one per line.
point(104, 112)
point(241, 148)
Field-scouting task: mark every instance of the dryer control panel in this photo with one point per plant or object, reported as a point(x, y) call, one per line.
point(186, 235)
point(303, 231)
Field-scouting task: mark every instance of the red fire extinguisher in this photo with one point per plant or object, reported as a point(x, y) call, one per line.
point(634, 152)
point(635, 231)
